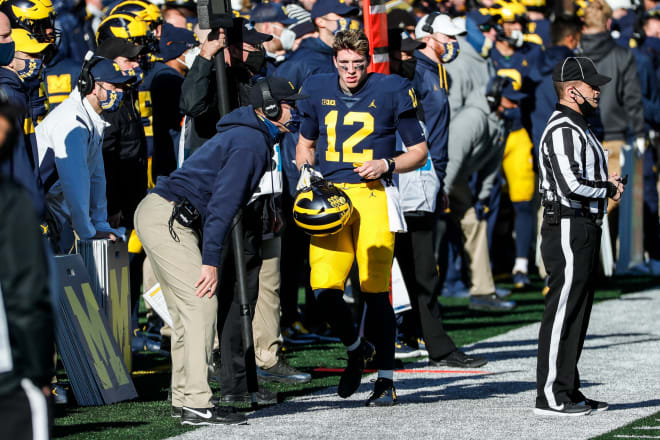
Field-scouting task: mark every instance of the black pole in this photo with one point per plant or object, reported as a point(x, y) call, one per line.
point(239, 255)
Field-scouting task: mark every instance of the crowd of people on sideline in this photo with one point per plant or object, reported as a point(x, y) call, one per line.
point(111, 128)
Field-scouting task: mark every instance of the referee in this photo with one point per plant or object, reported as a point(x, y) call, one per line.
point(575, 186)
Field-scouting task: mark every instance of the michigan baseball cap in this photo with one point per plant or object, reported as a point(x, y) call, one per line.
point(114, 47)
point(579, 69)
point(108, 71)
point(280, 89)
point(398, 39)
point(440, 23)
point(269, 13)
point(324, 7)
point(243, 32)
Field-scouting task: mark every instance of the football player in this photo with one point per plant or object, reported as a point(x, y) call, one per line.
point(350, 121)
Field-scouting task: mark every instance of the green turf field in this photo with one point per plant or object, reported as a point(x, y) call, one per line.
point(648, 427)
point(148, 417)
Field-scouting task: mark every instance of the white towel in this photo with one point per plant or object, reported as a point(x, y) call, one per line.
point(394, 212)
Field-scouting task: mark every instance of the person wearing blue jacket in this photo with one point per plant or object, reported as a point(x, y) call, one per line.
point(184, 226)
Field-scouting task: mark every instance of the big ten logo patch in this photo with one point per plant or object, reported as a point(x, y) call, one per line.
point(105, 359)
point(327, 102)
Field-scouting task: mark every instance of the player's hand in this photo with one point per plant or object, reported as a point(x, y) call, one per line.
point(215, 42)
point(306, 175)
point(372, 169)
point(208, 281)
point(104, 234)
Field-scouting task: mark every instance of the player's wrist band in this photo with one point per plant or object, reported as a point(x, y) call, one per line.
point(391, 165)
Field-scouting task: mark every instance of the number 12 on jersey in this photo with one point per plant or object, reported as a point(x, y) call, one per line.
point(347, 154)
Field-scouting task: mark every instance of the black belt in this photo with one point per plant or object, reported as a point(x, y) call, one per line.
point(585, 213)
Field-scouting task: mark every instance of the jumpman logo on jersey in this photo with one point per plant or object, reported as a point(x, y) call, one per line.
point(373, 104)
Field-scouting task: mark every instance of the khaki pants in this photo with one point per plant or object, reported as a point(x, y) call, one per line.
point(176, 266)
point(266, 321)
point(475, 234)
point(613, 149)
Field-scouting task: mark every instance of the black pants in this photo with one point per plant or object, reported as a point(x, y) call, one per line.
point(232, 372)
point(26, 413)
point(570, 253)
point(415, 253)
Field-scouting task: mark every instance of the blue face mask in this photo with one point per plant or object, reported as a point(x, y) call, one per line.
point(112, 100)
point(7, 53)
point(511, 113)
point(30, 70)
point(451, 52)
point(344, 24)
point(272, 130)
point(293, 124)
point(136, 71)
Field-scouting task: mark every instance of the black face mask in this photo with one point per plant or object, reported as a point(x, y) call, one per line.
point(586, 109)
point(407, 69)
point(255, 61)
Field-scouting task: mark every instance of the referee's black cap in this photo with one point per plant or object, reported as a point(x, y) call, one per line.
point(579, 69)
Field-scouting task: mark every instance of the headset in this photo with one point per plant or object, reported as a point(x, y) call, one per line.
point(428, 23)
point(270, 107)
point(494, 91)
point(86, 79)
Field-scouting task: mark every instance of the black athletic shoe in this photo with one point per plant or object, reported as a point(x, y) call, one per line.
point(282, 372)
point(384, 393)
point(458, 359)
point(595, 405)
point(491, 303)
point(177, 411)
point(567, 410)
point(212, 416)
point(264, 397)
point(352, 375)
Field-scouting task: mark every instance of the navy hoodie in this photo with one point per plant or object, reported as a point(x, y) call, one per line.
point(221, 176)
point(312, 57)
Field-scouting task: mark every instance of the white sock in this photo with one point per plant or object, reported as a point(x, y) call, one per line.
point(354, 345)
point(520, 265)
point(386, 374)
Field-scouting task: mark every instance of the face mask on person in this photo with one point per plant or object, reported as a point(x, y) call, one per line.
point(30, 70)
point(255, 61)
point(112, 100)
point(293, 124)
point(407, 69)
point(345, 24)
point(511, 114)
point(516, 39)
point(237, 5)
point(190, 55)
point(137, 72)
point(451, 52)
point(7, 53)
point(287, 38)
point(585, 107)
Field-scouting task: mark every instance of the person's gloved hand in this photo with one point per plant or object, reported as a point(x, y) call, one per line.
point(307, 175)
point(482, 210)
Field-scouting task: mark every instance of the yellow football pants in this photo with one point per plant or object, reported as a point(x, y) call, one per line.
point(366, 237)
point(518, 166)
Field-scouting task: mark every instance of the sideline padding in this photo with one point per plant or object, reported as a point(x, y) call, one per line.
point(84, 339)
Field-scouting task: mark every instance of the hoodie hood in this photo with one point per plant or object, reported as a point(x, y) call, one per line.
point(316, 45)
point(596, 46)
point(244, 117)
point(553, 55)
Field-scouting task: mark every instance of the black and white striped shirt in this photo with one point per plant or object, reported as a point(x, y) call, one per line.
point(573, 163)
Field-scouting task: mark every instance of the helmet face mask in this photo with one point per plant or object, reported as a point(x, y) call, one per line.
point(35, 16)
point(321, 209)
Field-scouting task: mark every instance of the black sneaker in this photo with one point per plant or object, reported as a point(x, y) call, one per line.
point(282, 372)
point(567, 410)
point(384, 393)
point(177, 411)
point(595, 405)
point(491, 303)
point(212, 416)
point(264, 397)
point(458, 359)
point(352, 375)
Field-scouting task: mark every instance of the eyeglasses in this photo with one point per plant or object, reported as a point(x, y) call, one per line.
point(347, 65)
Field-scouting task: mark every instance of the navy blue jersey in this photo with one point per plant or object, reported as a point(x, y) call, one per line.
point(542, 29)
point(60, 79)
point(351, 130)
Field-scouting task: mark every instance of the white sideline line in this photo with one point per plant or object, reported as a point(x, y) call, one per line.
point(648, 428)
point(636, 436)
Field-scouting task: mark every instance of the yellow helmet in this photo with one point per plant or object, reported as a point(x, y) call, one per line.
point(321, 208)
point(35, 16)
point(147, 12)
point(508, 11)
point(26, 42)
point(125, 26)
